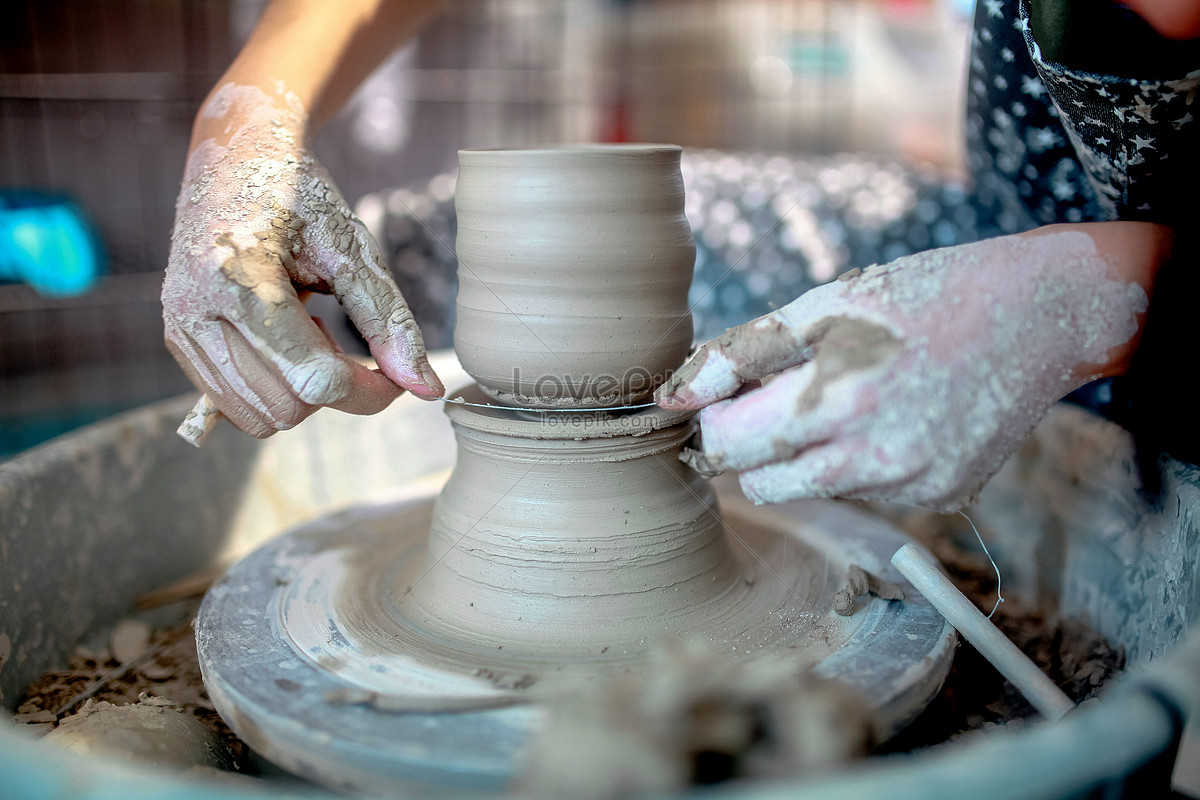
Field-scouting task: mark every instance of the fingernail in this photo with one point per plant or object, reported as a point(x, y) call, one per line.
point(425, 383)
point(431, 379)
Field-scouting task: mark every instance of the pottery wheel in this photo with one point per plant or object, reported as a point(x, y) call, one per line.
point(311, 653)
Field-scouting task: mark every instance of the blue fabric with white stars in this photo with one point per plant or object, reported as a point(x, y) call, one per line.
point(1051, 144)
point(1025, 170)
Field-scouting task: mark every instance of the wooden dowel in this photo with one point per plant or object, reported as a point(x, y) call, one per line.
point(200, 421)
point(977, 629)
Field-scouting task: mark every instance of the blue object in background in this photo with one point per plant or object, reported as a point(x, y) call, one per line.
point(46, 242)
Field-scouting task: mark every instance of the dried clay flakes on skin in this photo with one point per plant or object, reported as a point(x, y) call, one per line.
point(257, 210)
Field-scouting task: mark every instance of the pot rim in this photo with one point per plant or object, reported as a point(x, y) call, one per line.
point(556, 425)
point(577, 149)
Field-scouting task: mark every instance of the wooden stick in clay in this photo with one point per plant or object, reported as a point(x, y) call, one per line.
point(200, 421)
point(997, 648)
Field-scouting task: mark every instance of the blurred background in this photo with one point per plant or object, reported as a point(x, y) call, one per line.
point(817, 131)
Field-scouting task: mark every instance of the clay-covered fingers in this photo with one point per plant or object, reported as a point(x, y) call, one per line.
point(266, 364)
point(264, 388)
point(753, 351)
point(369, 295)
point(274, 337)
point(721, 367)
point(258, 402)
point(823, 471)
point(762, 426)
point(806, 433)
point(191, 353)
point(819, 472)
point(845, 468)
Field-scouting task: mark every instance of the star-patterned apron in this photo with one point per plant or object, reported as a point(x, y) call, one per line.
point(1048, 143)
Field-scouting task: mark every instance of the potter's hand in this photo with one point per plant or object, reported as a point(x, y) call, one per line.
point(914, 381)
point(258, 218)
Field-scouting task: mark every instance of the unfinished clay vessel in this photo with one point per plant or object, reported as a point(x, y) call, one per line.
point(574, 269)
point(560, 535)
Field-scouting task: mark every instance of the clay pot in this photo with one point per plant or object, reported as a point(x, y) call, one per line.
point(551, 543)
point(574, 269)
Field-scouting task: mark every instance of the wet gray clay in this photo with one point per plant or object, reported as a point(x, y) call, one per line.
point(566, 534)
point(574, 269)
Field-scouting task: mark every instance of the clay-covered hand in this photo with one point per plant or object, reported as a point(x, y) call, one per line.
point(912, 382)
point(258, 218)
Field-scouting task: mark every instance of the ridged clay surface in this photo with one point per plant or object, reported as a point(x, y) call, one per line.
point(574, 269)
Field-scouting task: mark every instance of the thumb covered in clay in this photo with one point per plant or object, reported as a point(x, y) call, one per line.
point(750, 352)
point(338, 252)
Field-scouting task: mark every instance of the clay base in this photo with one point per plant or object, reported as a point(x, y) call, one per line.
point(309, 655)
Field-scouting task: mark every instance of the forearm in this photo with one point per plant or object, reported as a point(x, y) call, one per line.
point(1134, 252)
point(318, 51)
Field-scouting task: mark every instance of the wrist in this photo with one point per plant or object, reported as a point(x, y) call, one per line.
point(1133, 253)
point(239, 109)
